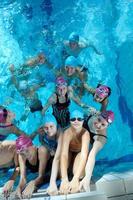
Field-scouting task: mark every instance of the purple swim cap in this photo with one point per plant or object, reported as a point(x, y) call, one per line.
point(3, 115)
point(23, 142)
point(60, 81)
point(102, 91)
point(108, 116)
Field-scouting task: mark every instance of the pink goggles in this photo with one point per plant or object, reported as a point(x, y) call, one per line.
point(102, 91)
point(60, 82)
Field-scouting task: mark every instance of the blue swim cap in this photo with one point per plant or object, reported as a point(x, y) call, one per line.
point(73, 37)
point(49, 118)
point(71, 61)
point(76, 114)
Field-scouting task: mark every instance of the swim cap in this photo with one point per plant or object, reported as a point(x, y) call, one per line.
point(23, 85)
point(102, 91)
point(76, 114)
point(60, 81)
point(71, 61)
point(23, 142)
point(3, 115)
point(108, 116)
point(49, 118)
point(74, 37)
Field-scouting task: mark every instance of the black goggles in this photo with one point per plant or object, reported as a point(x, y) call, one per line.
point(78, 119)
point(5, 112)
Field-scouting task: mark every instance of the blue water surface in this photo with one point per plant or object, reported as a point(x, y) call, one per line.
point(28, 27)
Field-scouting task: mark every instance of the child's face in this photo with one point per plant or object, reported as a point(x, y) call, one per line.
point(97, 98)
point(73, 45)
point(70, 70)
point(99, 123)
point(62, 90)
point(26, 153)
point(50, 129)
point(76, 123)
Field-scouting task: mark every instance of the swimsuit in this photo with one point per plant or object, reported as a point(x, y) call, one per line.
point(92, 134)
point(50, 144)
point(61, 112)
point(33, 168)
point(36, 106)
point(76, 143)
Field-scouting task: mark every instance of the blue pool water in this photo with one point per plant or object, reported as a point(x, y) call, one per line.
point(29, 26)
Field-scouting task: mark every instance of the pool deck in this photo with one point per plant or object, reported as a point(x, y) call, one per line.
point(112, 186)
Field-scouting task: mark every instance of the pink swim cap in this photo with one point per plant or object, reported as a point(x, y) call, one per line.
point(3, 115)
point(60, 81)
point(23, 142)
point(102, 91)
point(108, 116)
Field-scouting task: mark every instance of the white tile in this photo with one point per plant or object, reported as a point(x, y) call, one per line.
point(110, 177)
point(119, 198)
point(127, 179)
point(77, 196)
point(130, 197)
point(129, 185)
point(87, 195)
point(111, 185)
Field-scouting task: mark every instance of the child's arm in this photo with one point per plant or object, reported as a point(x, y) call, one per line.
point(52, 189)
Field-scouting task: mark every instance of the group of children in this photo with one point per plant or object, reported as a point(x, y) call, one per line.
point(65, 136)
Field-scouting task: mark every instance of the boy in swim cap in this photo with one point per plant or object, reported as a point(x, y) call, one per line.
point(76, 74)
point(32, 158)
point(74, 147)
point(96, 126)
point(74, 45)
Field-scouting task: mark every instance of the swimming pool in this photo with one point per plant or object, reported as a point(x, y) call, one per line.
point(28, 27)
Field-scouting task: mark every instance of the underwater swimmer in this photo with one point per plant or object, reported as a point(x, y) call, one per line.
point(6, 124)
point(74, 45)
point(60, 101)
point(28, 91)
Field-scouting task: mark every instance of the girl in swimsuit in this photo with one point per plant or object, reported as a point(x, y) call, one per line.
point(8, 159)
point(50, 136)
point(100, 94)
point(32, 158)
point(96, 126)
point(74, 147)
point(6, 125)
point(60, 102)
